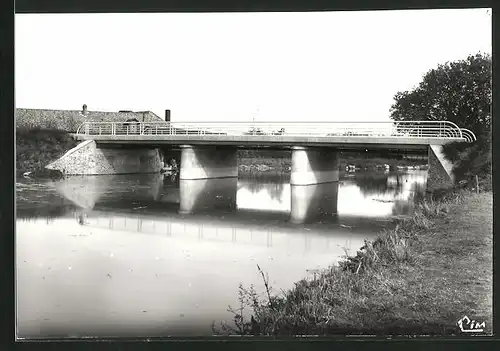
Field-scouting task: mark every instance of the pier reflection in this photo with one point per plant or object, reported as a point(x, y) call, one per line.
point(305, 204)
point(202, 195)
point(379, 195)
point(314, 202)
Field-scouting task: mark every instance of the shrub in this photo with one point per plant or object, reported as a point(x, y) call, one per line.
point(35, 148)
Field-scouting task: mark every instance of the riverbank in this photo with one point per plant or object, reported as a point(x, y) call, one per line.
point(36, 148)
point(419, 278)
point(284, 164)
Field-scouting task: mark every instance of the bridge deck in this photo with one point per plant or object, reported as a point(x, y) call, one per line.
point(400, 134)
point(272, 141)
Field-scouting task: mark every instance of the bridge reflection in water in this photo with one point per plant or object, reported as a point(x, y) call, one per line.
point(314, 202)
point(210, 230)
point(131, 261)
point(200, 195)
point(307, 203)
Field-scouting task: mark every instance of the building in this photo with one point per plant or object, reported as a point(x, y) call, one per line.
point(70, 120)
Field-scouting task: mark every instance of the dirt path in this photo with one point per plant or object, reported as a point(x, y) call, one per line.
point(457, 261)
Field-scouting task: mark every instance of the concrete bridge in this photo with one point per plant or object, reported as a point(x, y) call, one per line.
point(209, 150)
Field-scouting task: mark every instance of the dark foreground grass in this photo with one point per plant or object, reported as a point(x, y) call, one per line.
point(36, 148)
point(417, 279)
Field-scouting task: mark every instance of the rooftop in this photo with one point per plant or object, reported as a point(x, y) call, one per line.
point(70, 120)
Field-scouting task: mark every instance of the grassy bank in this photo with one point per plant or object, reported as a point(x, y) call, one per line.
point(35, 148)
point(419, 278)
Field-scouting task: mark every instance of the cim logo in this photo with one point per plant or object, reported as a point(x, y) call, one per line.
point(467, 325)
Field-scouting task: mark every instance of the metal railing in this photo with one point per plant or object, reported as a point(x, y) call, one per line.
point(402, 129)
point(468, 135)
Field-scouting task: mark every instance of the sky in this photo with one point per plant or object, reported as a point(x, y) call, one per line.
point(304, 67)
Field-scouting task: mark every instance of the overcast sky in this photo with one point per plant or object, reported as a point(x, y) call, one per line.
point(323, 66)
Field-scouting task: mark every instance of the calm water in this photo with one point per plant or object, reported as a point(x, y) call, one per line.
point(150, 255)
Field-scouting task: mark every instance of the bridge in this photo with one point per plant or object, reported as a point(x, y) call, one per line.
point(209, 149)
point(400, 135)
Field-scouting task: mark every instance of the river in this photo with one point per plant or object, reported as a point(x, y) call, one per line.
point(149, 255)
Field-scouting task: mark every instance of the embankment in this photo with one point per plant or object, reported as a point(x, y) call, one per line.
point(419, 278)
point(36, 148)
point(280, 161)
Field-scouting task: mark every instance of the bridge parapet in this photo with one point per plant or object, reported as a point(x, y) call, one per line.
point(391, 129)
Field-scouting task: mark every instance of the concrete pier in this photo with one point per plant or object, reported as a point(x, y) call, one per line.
point(198, 162)
point(314, 165)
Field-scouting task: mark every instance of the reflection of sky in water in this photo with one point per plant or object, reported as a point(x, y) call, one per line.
point(352, 201)
point(261, 200)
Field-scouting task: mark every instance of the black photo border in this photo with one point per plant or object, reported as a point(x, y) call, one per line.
point(7, 171)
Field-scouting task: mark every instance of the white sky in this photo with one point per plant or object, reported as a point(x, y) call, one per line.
point(323, 66)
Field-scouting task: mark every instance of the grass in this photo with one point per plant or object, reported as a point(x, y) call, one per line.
point(419, 278)
point(35, 148)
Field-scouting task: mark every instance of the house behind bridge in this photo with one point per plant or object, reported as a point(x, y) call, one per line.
point(70, 120)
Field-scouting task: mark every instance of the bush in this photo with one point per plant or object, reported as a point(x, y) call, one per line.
point(35, 148)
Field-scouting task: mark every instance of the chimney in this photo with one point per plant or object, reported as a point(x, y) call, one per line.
point(167, 115)
point(84, 111)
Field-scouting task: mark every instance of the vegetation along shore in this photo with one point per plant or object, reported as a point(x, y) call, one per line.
point(418, 278)
point(36, 148)
point(427, 272)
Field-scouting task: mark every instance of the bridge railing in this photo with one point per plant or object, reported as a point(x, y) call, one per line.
point(400, 129)
point(468, 135)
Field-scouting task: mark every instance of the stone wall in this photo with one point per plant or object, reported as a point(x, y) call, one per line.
point(87, 158)
point(440, 174)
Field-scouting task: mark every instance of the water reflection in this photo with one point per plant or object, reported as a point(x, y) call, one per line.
point(273, 184)
point(117, 258)
point(202, 195)
point(395, 184)
point(203, 229)
point(85, 192)
point(40, 200)
point(364, 195)
point(314, 202)
point(147, 275)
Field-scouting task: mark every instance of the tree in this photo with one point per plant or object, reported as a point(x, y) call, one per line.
point(458, 92)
